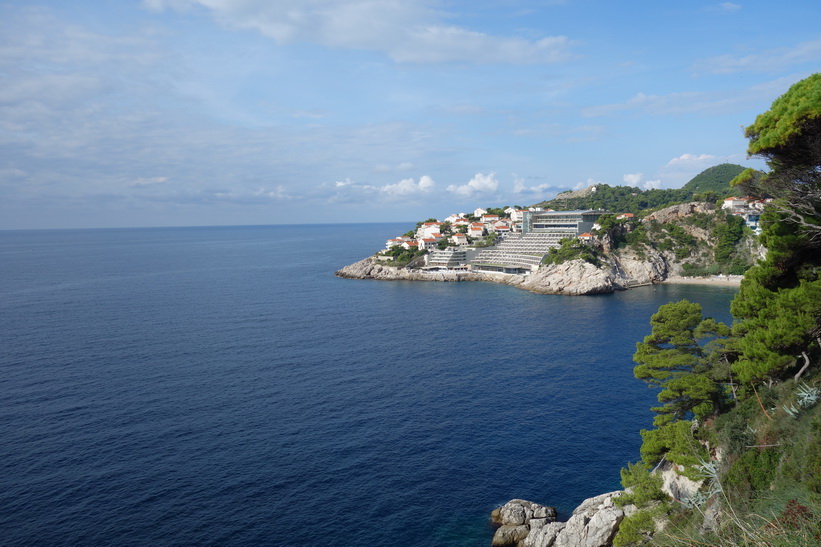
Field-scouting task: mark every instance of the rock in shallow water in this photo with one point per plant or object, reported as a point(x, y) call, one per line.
point(593, 524)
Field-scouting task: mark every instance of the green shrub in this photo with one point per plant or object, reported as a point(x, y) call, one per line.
point(635, 529)
point(645, 487)
point(572, 249)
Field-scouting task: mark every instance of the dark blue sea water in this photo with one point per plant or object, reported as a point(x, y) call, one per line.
point(219, 386)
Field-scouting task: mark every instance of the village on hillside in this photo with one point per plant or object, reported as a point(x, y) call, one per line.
point(511, 240)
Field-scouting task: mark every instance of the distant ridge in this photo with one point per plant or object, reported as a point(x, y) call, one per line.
point(709, 185)
point(714, 179)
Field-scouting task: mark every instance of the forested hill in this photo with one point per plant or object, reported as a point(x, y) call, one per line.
point(709, 185)
point(715, 179)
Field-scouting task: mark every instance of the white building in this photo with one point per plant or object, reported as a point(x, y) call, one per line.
point(459, 239)
point(428, 228)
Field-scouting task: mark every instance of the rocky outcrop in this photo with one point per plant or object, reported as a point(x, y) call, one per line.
point(572, 278)
point(632, 270)
point(575, 277)
point(594, 523)
point(517, 518)
point(674, 483)
point(677, 213)
point(369, 268)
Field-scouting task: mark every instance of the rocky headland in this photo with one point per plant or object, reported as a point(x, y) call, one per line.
point(620, 269)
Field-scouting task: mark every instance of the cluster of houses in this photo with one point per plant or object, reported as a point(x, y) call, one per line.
point(464, 229)
point(748, 208)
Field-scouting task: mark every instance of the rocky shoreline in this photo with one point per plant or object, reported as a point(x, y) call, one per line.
point(594, 523)
point(575, 277)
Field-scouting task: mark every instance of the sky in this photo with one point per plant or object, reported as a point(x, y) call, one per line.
point(231, 112)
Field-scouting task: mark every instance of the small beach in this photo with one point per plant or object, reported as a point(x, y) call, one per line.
point(721, 280)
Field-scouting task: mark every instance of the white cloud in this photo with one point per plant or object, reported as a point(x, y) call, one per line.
point(350, 191)
point(277, 193)
point(408, 31)
point(690, 159)
point(588, 184)
point(149, 181)
point(638, 180)
point(729, 6)
point(385, 168)
point(633, 179)
point(702, 103)
point(479, 184)
point(536, 192)
point(764, 61)
point(673, 103)
point(408, 188)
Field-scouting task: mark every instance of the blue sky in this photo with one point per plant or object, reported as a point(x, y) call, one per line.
point(222, 112)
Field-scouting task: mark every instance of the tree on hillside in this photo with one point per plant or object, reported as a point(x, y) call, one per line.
point(779, 303)
point(679, 356)
point(788, 136)
point(684, 356)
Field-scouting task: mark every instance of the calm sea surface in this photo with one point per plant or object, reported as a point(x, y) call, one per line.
point(219, 386)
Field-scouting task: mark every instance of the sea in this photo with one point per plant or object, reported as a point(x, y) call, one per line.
point(220, 386)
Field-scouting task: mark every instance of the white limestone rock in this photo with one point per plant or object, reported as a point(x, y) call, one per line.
point(678, 212)
point(518, 518)
point(634, 270)
point(593, 524)
point(369, 268)
point(544, 536)
point(575, 277)
point(508, 535)
point(517, 511)
point(675, 485)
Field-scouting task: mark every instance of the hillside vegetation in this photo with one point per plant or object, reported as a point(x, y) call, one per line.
point(709, 185)
point(694, 239)
point(714, 179)
point(740, 405)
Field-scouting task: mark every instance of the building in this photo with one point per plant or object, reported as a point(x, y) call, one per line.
point(459, 239)
point(560, 223)
point(516, 215)
point(734, 204)
point(428, 228)
point(449, 258)
point(476, 229)
point(501, 228)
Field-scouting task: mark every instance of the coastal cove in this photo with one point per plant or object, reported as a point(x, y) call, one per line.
point(191, 385)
